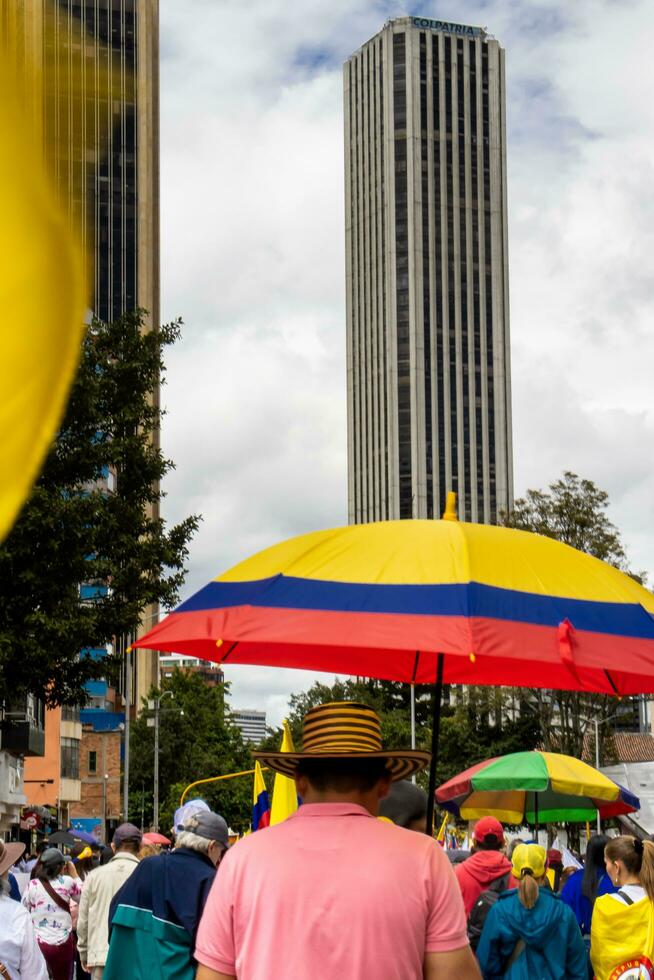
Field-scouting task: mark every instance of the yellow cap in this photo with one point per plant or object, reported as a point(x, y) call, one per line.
point(529, 859)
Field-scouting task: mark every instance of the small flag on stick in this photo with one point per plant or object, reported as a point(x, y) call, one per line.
point(260, 802)
point(284, 801)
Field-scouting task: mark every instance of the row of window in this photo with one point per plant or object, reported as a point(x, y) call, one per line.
point(70, 752)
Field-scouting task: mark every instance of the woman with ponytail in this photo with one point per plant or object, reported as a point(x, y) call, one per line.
point(622, 932)
point(529, 932)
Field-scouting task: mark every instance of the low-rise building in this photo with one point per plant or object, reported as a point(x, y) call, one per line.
point(22, 736)
point(99, 809)
point(211, 673)
point(53, 779)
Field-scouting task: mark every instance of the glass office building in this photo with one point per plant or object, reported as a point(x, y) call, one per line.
point(429, 397)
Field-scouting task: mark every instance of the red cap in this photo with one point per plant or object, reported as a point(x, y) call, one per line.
point(486, 826)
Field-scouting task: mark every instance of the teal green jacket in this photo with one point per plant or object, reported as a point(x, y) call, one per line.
point(155, 916)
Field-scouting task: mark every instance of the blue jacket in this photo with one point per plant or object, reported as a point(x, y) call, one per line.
point(154, 917)
point(572, 896)
point(554, 948)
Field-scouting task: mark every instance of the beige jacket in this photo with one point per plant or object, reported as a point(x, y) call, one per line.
point(100, 886)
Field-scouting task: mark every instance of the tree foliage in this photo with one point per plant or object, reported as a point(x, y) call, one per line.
point(572, 510)
point(476, 724)
point(196, 741)
point(76, 530)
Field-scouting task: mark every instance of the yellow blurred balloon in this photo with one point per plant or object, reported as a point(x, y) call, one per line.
point(42, 293)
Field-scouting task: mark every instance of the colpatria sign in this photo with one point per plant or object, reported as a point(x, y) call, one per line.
point(441, 25)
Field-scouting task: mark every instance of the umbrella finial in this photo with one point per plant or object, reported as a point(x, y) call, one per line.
point(450, 514)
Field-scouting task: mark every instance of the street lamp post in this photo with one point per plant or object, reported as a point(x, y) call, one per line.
point(104, 807)
point(155, 704)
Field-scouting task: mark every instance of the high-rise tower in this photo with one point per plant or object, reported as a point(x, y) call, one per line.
point(429, 397)
point(91, 76)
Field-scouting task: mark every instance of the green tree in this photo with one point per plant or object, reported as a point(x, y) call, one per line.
point(572, 510)
point(93, 517)
point(196, 741)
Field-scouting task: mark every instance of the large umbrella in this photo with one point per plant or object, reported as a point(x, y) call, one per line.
point(532, 787)
point(422, 601)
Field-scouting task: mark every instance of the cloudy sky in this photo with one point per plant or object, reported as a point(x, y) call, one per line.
point(253, 259)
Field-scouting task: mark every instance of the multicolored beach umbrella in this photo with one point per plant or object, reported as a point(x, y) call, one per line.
point(533, 787)
point(419, 601)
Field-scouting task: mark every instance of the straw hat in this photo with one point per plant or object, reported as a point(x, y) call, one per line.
point(344, 730)
point(9, 854)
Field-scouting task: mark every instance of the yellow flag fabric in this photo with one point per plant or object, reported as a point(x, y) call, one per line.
point(284, 801)
point(622, 940)
point(42, 300)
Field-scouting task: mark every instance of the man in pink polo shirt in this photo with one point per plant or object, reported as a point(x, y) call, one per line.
point(333, 893)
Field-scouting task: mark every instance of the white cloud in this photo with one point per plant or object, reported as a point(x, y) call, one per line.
point(252, 236)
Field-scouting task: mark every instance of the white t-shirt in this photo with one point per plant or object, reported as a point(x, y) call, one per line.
point(635, 893)
point(52, 924)
point(19, 950)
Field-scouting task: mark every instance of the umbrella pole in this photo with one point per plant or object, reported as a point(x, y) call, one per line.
point(536, 815)
point(435, 732)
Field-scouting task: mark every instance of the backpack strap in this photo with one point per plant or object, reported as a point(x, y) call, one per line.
point(627, 899)
point(500, 884)
point(56, 898)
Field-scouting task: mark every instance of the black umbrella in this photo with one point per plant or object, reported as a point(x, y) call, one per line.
point(62, 837)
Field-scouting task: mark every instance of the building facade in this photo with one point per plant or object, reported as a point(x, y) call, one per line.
point(211, 673)
point(98, 106)
point(99, 61)
point(99, 807)
point(428, 365)
point(52, 780)
point(252, 723)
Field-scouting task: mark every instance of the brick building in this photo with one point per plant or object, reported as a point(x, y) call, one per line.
point(100, 801)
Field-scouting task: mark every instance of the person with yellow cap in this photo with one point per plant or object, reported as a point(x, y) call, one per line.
point(529, 932)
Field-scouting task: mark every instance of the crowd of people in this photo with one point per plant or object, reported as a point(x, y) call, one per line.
point(350, 886)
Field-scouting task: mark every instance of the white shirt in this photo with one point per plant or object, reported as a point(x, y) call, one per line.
point(635, 893)
point(19, 950)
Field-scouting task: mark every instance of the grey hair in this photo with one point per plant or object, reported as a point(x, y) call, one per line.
point(193, 841)
point(5, 887)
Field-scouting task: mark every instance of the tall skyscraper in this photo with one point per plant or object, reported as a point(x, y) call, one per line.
point(98, 105)
point(429, 395)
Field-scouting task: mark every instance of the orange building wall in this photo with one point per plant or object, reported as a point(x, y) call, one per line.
point(47, 766)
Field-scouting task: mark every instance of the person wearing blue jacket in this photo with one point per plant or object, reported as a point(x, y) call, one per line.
point(584, 886)
point(154, 918)
point(529, 933)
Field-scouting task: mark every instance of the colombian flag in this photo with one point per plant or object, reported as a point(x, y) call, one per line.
point(260, 802)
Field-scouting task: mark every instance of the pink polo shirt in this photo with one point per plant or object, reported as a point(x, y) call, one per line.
point(331, 894)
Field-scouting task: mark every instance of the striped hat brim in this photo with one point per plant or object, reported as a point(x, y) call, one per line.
point(401, 763)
